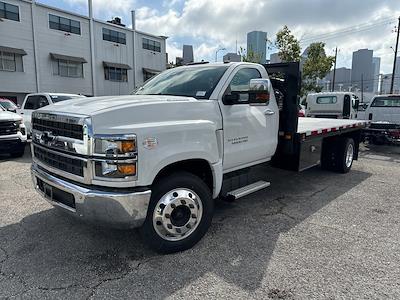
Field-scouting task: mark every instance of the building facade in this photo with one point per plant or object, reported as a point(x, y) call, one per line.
point(376, 65)
point(187, 56)
point(257, 43)
point(46, 49)
point(274, 58)
point(232, 57)
point(386, 80)
point(342, 79)
point(362, 70)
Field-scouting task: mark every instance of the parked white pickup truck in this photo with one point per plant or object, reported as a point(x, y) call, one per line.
point(35, 101)
point(12, 134)
point(384, 114)
point(158, 159)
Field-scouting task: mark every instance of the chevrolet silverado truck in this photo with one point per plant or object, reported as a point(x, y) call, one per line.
point(158, 159)
point(384, 115)
point(12, 134)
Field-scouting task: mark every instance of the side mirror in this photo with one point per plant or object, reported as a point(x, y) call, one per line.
point(259, 92)
point(356, 104)
point(231, 98)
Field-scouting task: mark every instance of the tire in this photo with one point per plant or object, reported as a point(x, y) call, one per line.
point(180, 212)
point(19, 152)
point(345, 155)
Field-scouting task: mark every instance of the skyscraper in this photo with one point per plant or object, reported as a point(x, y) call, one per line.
point(362, 70)
point(187, 54)
point(376, 64)
point(257, 44)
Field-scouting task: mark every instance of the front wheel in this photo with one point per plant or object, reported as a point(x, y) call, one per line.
point(179, 214)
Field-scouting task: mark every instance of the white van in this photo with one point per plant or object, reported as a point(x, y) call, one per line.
point(334, 105)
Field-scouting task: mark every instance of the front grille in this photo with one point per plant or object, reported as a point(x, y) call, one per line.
point(9, 127)
point(384, 126)
point(74, 131)
point(60, 162)
point(56, 194)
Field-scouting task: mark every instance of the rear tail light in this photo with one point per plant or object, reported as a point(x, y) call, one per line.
point(395, 134)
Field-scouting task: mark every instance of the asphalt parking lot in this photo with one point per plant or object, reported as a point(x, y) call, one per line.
point(312, 235)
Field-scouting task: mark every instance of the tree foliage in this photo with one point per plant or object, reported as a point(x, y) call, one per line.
point(249, 55)
point(288, 45)
point(316, 66)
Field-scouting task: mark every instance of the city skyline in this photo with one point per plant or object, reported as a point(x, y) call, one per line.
point(208, 24)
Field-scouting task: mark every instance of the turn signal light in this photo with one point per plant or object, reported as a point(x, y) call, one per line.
point(127, 169)
point(128, 146)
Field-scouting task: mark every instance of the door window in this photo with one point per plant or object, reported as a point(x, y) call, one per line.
point(327, 100)
point(35, 102)
point(241, 83)
point(392, 101)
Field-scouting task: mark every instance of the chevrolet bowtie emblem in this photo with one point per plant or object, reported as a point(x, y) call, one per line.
point(47, 137)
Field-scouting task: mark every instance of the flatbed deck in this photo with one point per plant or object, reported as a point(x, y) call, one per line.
point(318, 126)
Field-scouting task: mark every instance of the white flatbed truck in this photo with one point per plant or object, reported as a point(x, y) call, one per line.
point(159, 158)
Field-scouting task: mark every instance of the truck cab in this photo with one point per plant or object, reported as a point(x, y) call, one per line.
point(333, 105)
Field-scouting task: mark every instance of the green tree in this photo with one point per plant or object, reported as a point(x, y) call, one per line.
point(249, 56)
point(316, 66)
point(288, 45)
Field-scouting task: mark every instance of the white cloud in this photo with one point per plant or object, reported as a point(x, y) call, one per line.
point(209, 23)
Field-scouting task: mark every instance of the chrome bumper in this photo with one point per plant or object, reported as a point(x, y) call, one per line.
point(116, 209)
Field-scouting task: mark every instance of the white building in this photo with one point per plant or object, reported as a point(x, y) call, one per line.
point(46, 49)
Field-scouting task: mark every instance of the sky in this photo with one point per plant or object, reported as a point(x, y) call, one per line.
point(209, 25)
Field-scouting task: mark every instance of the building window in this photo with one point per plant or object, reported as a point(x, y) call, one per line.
point(66, 68)
point(151, 45)
point(115, 74)
point(114, 36)
point(64, 24)
point(8, 62)
point(9, 11)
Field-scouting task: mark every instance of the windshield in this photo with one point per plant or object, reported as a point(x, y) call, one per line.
point(198, 82)
point(7, 104)
point(392, 101)
point(56, 99)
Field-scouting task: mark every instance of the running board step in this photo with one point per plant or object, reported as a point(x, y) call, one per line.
point(248, 189)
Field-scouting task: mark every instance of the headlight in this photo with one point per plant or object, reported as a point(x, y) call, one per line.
point(115, 147)
point(115, 169)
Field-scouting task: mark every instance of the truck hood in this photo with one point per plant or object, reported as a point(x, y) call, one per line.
point(9, 116)
point(97, 105)
point(119, 114)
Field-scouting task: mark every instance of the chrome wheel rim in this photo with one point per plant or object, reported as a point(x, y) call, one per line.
point(349, 155)
point(177, 214)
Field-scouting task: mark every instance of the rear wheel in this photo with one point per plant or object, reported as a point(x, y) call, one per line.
point(345, 155)
point(179, 214)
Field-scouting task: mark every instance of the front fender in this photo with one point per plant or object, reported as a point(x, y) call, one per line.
point(176, 142)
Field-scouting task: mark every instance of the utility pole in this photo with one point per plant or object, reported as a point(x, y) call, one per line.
point(395, 57)
point(362, 87)
point(334, 72)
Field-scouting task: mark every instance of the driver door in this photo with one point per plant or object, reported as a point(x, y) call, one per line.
point(250, 130)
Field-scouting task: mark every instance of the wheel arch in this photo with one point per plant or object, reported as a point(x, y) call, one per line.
point(197, 166)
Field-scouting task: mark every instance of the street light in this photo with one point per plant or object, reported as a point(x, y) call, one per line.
point(216, 53)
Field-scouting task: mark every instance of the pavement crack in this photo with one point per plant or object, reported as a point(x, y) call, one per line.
point(317, 192)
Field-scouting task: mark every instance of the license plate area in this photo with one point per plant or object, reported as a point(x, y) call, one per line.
point(56, 195)
point(48, 191)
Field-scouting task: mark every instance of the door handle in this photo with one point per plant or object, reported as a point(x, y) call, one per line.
point(269, 112)
point(21, 113)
